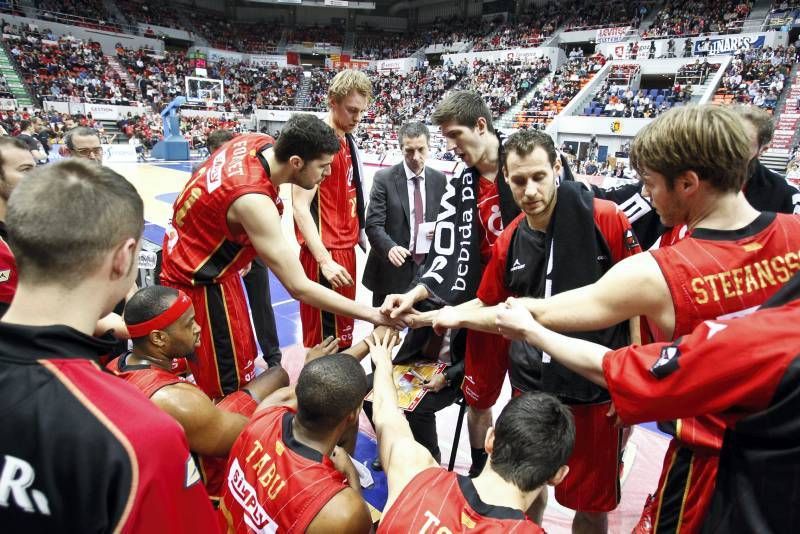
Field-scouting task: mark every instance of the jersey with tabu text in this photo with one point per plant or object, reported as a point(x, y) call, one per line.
point(716, 274)
point(335, 205)
point(439, 501)
point(274, 482)
point(199, 247)
point(149, 379)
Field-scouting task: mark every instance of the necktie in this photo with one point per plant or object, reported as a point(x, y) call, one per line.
point(419, 218)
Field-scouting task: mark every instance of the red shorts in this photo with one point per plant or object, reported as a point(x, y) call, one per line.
point(318, 324)
point(212, 468)
point(225, 360)
point(592, 484)
point(485, 366)
point(684, 492)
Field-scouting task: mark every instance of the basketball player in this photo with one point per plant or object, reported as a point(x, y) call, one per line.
point(161, 322)
point(15, 160)
point(285, 472)
point(528, 449)
point(749, 381)
point(72, 431)
point(228, 213)
point(466, 122)
point(693, 162)
point(329, 219)
point(565, 239)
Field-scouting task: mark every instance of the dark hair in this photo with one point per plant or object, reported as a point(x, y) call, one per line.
point(464, 108)
point(328, 389)
point(148, 303)
point(758, 118)
point(217, 138)
point(533, 438)
point(6, 141)
point(411, 130)
point(51, 233)
point(82, 131)
point(24, 124)
point(306, 136)
point(524, 142)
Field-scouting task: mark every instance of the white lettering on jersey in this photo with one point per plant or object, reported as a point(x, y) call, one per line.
point(245, 495)
point(714, 328)
point(15, 479)
point(214, 176)
point(635, 207)
point(517, 266)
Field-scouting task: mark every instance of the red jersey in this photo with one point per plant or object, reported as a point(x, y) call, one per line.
point(442, 501)
point(274, 482)
point(150, 379)
point(334, 208)
point(8, 274)
point(716, 274)
point(489, 215)
point(199, 247)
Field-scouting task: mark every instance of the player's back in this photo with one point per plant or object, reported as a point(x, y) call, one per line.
point(442, 501)
point(199, 247)
point(84, 451)
point(274, 482)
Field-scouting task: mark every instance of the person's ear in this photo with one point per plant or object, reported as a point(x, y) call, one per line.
point(296, 162)
point(159, 338)
point(560, 475)
point(122, 258)
point(687, 182)
point(488, 442)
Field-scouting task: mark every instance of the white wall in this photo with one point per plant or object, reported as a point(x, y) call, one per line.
point(520, 53)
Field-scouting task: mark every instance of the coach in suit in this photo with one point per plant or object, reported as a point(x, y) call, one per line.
point(402, 197)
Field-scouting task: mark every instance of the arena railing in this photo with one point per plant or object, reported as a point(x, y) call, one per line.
point(86, 22)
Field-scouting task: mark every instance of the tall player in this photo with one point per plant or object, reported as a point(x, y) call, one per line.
point(285, 472)
point(329, 219)
point(229, 213)
point(528, 449)
point(466, 122)
point(693, 162)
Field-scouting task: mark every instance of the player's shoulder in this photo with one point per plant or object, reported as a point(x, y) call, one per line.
point(346, 511)
point(607, 210)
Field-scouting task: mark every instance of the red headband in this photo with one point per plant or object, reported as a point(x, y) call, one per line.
point(162, 320)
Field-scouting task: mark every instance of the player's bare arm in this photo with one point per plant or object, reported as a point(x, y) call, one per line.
point(267, 383)
point(209, 430)
point(345, 512)
point(398, 305)
point(402, 457)
point(582, 357)
point(336, 274)
point(632, 287)
point(259, 217)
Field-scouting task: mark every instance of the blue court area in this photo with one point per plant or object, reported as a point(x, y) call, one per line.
point(159, 185)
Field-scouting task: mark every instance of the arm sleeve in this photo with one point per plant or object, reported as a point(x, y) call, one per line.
point(492, 289)
point(721, 366)
point(375, 226)
point(617, 230)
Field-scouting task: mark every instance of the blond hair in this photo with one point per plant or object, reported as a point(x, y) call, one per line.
point(709, 140)
point(349, 80)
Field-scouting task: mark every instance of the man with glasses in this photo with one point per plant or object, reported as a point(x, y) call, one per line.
point(83, 142)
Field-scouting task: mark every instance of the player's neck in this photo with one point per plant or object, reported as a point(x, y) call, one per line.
point(492, 489)
point(489, 164)
point(79, 308)
point(279, 173)
point(330, 122)
point(723, 212)
point(322, 444)
point(145, 355)
point(3, 210)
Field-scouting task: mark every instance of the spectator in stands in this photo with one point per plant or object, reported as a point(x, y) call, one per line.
point(83, 142)
point(28, 131)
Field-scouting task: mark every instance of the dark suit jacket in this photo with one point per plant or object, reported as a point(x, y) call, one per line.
point(388, 225)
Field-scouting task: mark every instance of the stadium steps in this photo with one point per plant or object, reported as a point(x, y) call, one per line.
point(15, 83)
point(758, 15)
point(788, 115)
point(111, 128)
point(122, 71)
point(508, 118)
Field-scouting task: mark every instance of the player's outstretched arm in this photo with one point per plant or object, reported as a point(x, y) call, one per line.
point(400, 304)
point(260, 219)
point(634, 286)
point(267, 383)
point(582, 357)
point(336, 274)
point(402, 457)
point(209, 430)
point(473, 314)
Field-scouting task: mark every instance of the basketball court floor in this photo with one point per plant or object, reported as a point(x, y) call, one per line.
point(160, 183)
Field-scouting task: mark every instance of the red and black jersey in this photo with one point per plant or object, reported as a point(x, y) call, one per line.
point(199, 247)
point(747, 372)
point(8, 272)
point(274, 482)
point(442, 501)
point(85, 451)
point(489, 215)
point(335, 206)
point(147, 378)
point(592, 236)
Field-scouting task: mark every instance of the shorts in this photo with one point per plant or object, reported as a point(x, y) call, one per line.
point(592, 484)
point(225, 360)
point(684, 493)
point(319, 324)
point(212, 468)
point(485, 366)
